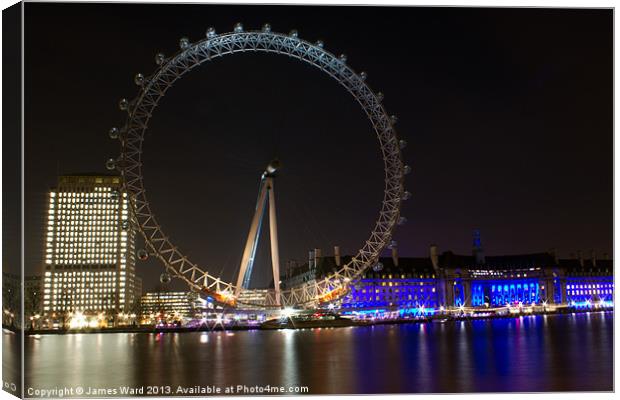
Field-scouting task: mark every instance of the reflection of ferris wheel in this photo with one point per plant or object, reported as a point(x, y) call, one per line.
point(152, 88)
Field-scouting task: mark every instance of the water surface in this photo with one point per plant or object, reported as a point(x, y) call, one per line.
point(526, 354)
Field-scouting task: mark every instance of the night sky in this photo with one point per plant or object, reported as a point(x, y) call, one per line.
point(508, 115)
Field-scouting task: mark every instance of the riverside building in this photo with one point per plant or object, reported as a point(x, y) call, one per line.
point(170, 306)
point(444, 281)
point(89, 249)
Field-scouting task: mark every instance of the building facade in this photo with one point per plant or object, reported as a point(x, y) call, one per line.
point(137, 292)
point(450, 281)
point(33, 296)
point(89, 265)
point(406, 283)
point(252, 298)
point(168, 306)
point(444, 281)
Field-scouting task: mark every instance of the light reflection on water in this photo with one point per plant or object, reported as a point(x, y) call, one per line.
point(532, 353)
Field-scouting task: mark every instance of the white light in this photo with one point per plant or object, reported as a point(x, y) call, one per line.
point(287, 312)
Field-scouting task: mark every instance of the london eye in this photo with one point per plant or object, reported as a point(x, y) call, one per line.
point(152, 88)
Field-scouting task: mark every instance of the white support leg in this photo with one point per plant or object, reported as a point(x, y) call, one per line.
point(248, 252)
point(273, 236)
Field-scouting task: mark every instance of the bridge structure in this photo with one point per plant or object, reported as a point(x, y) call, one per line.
point(139, 110)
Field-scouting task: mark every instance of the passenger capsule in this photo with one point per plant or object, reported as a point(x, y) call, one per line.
point(378, 267)
point(113, 132)
point(110, 164)
point(159, 58)
point(402, 143)
point(165, 278)
point(211, 33)
point(392, 244)
point(266, 28)
point(380, 96)
point(319, 43)
point(294, 33)
point(406, 170)
point(143, 255)
point(393, 119)
point(402, 221)
point(183, 43)
point(363, 75)
point(406, 195)
point(139, 79)
point(123, 104)
point(238, 27)
point(343, 58)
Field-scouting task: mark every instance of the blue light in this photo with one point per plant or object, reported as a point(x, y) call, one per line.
point(413, 293)
point(590, 289)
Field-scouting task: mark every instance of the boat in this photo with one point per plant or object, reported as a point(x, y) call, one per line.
point(316, 320)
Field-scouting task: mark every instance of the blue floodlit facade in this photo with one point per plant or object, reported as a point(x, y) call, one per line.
point(402, 291)
point(581, 290)
point(423, 285)
point(502, 292)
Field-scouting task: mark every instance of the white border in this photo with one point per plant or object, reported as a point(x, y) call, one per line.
point(547, 3)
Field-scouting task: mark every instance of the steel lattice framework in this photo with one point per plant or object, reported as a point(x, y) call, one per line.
point(152, 88)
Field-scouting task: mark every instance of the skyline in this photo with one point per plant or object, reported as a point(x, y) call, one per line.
point(510, 82)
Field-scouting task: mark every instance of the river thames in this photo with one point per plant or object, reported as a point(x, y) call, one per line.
point(525, 354)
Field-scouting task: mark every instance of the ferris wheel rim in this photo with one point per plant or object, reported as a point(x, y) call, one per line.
point(154, 87)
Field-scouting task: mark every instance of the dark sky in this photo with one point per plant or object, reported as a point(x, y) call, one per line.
point(508, 115)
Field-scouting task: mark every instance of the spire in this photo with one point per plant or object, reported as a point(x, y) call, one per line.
point(477, 248)
point(477, 241)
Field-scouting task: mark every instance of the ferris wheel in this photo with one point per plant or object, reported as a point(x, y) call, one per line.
point(153, 87)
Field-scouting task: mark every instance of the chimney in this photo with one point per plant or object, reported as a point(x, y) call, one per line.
point(317, 256)
point(580, 257)
point(394, 247)
point(554, 253)
point(289, 269)
point(593, 257)
point(337, 255)
point(477, 251)
point(434, 256)
point(311, 259)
